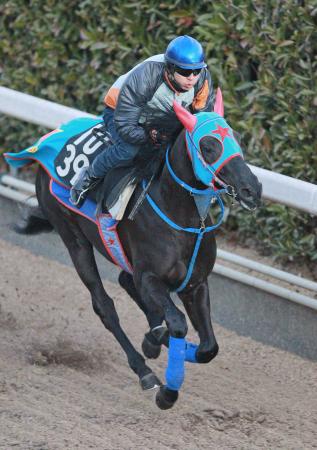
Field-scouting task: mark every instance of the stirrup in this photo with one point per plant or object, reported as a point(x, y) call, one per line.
point(84, 183)
point(80, 199)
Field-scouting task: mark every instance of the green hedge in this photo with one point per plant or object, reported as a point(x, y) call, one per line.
point(262, 53)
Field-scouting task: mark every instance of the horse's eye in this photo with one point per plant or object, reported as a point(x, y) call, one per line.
point(211, 149)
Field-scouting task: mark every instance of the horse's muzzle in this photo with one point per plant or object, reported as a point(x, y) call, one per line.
point(250, 198)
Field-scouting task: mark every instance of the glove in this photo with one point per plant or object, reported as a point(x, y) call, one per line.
point(159, 138)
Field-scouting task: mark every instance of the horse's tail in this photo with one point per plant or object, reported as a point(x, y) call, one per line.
point(33, 221)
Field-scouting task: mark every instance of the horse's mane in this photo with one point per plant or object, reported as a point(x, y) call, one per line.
point(151, 160)
point(149, 164)
point(146, 165)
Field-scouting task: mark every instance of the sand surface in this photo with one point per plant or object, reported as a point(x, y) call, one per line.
point(65, 383)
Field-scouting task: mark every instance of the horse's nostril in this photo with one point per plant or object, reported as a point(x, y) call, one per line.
point(246, 193)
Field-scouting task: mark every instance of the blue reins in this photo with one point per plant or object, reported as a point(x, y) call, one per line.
point(199, 231)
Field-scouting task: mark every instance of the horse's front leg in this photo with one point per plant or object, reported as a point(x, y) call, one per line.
point(197, 304)
point(157, 335)
point(156, 294)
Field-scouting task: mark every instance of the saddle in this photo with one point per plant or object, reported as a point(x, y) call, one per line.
point(79, 151)
point(114, 192)
point(64, 151)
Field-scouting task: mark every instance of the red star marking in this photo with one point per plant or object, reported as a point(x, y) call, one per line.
point(223, 132)
point(110, 241)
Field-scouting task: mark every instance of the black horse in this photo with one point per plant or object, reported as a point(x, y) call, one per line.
point(159, 253)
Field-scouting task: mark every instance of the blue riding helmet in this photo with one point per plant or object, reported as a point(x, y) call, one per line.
point(185, 52)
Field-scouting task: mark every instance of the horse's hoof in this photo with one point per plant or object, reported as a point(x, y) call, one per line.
point(150, 349)
point(165, 398)
point(150, 381)
point(204, 357)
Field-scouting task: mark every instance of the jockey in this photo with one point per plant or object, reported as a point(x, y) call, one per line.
point(139, 108)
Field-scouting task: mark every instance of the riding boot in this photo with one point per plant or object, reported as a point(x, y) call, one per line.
point(84, 183)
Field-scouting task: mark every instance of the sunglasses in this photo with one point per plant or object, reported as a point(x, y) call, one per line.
point(187, 72)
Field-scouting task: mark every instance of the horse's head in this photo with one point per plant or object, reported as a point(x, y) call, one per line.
point(217, 158)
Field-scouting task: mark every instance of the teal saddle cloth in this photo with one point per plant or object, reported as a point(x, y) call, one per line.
point(62, 153)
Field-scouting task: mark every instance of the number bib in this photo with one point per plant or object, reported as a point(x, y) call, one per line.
point(79, 151)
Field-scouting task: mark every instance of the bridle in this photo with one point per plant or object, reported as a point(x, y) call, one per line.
point(203, 197)
point(210, 194)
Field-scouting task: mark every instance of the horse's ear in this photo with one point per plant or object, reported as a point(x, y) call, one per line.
point(219, 107)
point(185, 117)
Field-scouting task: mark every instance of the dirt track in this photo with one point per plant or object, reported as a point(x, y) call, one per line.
point(65, 384)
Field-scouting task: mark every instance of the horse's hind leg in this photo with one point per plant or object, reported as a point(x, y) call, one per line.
point(158, 334)
point(82, 255)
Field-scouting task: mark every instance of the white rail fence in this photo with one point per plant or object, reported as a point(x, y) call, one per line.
point(276, 187)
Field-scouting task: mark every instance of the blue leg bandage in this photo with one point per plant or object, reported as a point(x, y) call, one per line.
point(190, 352)
point(175, 371)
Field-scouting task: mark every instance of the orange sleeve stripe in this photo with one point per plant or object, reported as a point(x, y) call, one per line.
point(111, 97)
point(201, 97)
